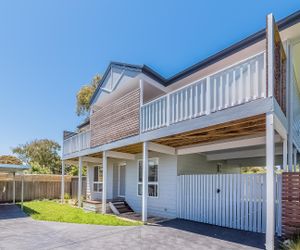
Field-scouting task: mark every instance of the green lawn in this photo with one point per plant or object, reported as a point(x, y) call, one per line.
point(53, 211)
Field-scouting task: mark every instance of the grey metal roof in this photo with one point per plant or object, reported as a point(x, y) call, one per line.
point(254, 38)
point(13, 167)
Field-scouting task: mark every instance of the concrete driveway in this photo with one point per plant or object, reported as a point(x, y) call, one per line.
point(17, 231)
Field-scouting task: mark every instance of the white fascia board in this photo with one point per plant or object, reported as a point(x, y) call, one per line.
point(91, 159)
point(161, 148)
point(227, 144)
point(120, 155)
point(280, 116)
point(279, 127)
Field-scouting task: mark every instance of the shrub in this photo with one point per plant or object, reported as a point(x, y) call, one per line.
point(292, 244)
point(67, 196)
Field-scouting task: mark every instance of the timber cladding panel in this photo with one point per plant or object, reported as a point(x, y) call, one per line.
point(290, 204)
point(118, 120)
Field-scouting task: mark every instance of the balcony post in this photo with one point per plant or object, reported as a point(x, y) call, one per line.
point(270, 148)
point(270, 140)
point(145, 182)
point(168, 110)
point(208, 96)
point(270, 54)
point(104, 182)
point(284, 154)
point(295, 159)
point(79, 180)
point(141, 105)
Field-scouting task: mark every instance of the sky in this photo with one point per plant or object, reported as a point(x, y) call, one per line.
point(49, 49)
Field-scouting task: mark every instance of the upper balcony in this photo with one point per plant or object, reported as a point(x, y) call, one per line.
point(237, 84)
point(242, 82)
point(77, 142)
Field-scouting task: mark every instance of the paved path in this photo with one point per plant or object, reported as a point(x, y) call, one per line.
point(18, 231)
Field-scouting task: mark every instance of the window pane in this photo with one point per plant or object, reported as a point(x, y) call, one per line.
point(140, 177)
point(100, 174)
point(152, 172)
point(140, 189)
point(95, 173)
point(97, 187)
point(152, 190)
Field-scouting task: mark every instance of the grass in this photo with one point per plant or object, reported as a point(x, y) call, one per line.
point(53, 211)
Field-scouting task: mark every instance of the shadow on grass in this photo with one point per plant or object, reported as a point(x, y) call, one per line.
point(29, 211)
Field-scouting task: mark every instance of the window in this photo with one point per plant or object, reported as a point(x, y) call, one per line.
point(98, 178)
point(152, 178)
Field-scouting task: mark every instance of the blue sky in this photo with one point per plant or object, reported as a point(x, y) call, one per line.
point(48, 49)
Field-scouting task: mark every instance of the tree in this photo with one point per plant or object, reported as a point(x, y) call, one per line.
point(85, 94)
point(73, 170)
point(42, 155)
point(10, 159)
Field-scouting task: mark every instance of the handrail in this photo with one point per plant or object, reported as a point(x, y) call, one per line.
point(238, 83)
point(77, 142)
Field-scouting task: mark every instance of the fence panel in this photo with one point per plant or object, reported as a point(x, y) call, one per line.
point(38, 187)
point(230, 200)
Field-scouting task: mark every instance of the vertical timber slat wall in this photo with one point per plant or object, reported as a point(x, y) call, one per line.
point(290, 204)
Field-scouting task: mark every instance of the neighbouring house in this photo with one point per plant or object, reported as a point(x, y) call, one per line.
point(175, 147)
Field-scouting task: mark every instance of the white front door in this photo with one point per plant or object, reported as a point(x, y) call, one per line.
point(121, 184)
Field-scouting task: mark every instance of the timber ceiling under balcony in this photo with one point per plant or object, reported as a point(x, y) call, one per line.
point(254, 125)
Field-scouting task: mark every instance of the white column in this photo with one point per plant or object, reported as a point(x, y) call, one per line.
point(270, 219)
point(14, 188)
point(289, 99)
point(89, 182)
point(141, 104)
point(104, 182)
point(284, 155)
point(22, 190)
point(79, 180)
point(145, 182)
point(62, 182)
point(270, 147)
point(295, 159)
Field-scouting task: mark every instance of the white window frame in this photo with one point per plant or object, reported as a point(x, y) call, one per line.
point(149, 182)
point(97, 182)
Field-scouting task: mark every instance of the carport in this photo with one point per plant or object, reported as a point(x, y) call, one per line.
point(11, 168)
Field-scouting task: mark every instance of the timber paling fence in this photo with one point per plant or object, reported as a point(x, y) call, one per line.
point(37, 187)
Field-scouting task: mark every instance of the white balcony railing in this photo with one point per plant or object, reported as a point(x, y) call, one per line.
point(237, 84)
point(77, 142)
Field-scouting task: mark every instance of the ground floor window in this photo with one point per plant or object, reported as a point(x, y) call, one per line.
point(152, 177)
point(98, 178)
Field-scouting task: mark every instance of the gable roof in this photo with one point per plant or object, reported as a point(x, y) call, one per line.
point(252, 39)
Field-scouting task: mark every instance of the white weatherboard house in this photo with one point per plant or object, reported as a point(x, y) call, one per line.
point(175, 147)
